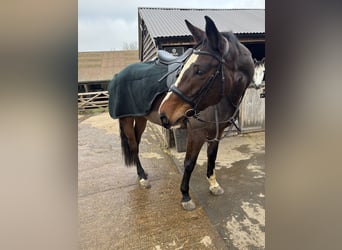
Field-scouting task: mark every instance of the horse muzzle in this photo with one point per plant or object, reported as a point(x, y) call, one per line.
point(164, 121)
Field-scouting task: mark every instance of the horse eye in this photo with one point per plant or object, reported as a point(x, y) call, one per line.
point(199, 72)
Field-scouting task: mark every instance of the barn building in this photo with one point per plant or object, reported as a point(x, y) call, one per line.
point(164, 28)
point(95, 70)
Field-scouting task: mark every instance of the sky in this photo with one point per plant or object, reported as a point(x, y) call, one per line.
point(107, 25)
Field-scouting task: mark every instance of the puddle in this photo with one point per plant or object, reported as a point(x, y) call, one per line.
point(245, 149)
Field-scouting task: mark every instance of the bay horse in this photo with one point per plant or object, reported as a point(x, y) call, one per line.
point(204, 98)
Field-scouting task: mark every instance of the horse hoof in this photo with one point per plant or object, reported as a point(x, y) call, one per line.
point(145, 183)
point(188, 205)
point(216, 190)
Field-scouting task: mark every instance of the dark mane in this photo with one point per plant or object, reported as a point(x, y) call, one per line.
point(232, 38)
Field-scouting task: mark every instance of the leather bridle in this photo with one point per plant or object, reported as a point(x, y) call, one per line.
point(196, 98)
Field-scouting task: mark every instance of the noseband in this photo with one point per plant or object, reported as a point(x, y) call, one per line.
point(195, 99)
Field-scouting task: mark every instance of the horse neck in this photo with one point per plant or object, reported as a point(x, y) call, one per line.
point(226, 107)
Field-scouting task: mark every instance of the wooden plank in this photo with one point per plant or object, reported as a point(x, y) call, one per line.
point(252, 111)
point(94, 93)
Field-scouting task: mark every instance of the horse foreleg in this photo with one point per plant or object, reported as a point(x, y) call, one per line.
point(214, 187)
point(192, 151)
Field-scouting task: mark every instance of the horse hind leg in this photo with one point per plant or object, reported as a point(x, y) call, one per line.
point(214, 187)
point(127, 140)
point(131, 130)
point(139, 128)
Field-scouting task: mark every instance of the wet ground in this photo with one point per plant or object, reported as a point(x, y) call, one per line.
point(116, 213)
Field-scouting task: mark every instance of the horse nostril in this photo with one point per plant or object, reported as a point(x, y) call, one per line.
point(164, 120)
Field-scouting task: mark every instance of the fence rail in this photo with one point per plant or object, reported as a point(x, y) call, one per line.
point(92, 100)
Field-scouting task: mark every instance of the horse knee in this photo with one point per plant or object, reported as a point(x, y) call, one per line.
point(189, 166)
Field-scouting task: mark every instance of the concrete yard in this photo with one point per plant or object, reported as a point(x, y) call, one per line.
point(116, 213)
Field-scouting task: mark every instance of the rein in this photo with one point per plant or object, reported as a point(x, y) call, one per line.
point(231, 120)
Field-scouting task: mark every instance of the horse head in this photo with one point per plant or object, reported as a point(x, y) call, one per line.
point(259, 72)
point(205, 78)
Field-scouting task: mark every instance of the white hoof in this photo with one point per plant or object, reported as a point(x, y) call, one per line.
point(216, 190)
point(145, 183)
point(188, 205)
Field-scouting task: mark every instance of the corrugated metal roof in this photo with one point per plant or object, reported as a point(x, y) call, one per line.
point(167, 22)
point(101, 66)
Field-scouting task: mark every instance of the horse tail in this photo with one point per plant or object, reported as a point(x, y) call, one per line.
point(127, 152)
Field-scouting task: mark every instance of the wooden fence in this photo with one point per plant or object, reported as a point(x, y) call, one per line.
point(92, 100)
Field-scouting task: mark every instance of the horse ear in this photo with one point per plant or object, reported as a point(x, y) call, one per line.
point(197, 33)
point(216, 40)
point(263, 60)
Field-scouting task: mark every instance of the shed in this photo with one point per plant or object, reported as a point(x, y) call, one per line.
point(95, 70)
point(164, 28)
